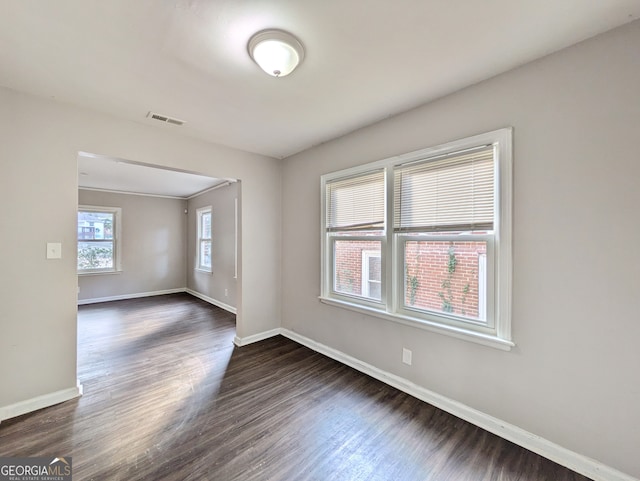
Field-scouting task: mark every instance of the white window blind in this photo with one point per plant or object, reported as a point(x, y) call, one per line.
point(446, 193)
point(356, 203)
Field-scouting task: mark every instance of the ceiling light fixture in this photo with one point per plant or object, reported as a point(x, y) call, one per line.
point(276, 52)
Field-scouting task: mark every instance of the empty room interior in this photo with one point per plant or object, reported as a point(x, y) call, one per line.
point(361, 240)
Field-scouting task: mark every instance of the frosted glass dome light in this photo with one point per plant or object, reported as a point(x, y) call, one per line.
point(277, 52)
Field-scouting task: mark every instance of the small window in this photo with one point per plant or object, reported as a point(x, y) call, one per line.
point(425, 238)
point(98, 239)
point(204, 239)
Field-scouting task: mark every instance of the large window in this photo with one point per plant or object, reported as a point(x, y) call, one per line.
point(98, 236)
point(425, 238)
point(204, 239)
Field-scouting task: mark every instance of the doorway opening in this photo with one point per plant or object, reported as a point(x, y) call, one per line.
point(140, 235)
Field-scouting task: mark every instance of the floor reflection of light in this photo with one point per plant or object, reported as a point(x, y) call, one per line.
point(171, 392)
point(362, 456)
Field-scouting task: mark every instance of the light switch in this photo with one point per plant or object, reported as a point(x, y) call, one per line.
point(54, 250)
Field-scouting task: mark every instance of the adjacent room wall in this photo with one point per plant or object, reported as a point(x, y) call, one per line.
point(39, 144)
point(573, 377)
point(153, 246)
point(218, 285)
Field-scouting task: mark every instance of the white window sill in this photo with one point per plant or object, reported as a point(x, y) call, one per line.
point(205, 271)
point(98, 273)
point(464, 334)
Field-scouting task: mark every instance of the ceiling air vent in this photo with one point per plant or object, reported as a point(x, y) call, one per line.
point(164, 118)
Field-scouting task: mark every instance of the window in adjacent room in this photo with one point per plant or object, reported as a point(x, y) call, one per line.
point(98, 239)
point(425, 238)
point(204, 239)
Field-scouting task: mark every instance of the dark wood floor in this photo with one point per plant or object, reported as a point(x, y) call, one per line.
point(168, 396)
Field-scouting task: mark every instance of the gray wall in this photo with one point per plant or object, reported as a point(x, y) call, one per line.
point(213, 284)
point(153, 242)
point(39, 144)
point(573, 377)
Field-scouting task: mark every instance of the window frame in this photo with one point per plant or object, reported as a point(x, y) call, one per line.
point(116, 240)
point(365, 234)
point(200, 239)
point(496, 332)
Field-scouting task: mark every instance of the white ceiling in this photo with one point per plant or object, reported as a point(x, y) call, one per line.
point(104, 173)
point(365, 59)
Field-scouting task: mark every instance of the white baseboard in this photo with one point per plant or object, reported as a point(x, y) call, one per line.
point(95, 300)
point(211, 300)
point(565, 457)
point(243, 341)
point(137, 295)
point(39, 402)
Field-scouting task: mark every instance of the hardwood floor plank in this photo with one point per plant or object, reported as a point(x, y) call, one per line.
point(169, 397)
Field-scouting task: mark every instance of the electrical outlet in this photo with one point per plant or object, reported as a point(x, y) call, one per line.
point(226, 293)
point(406, 356)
